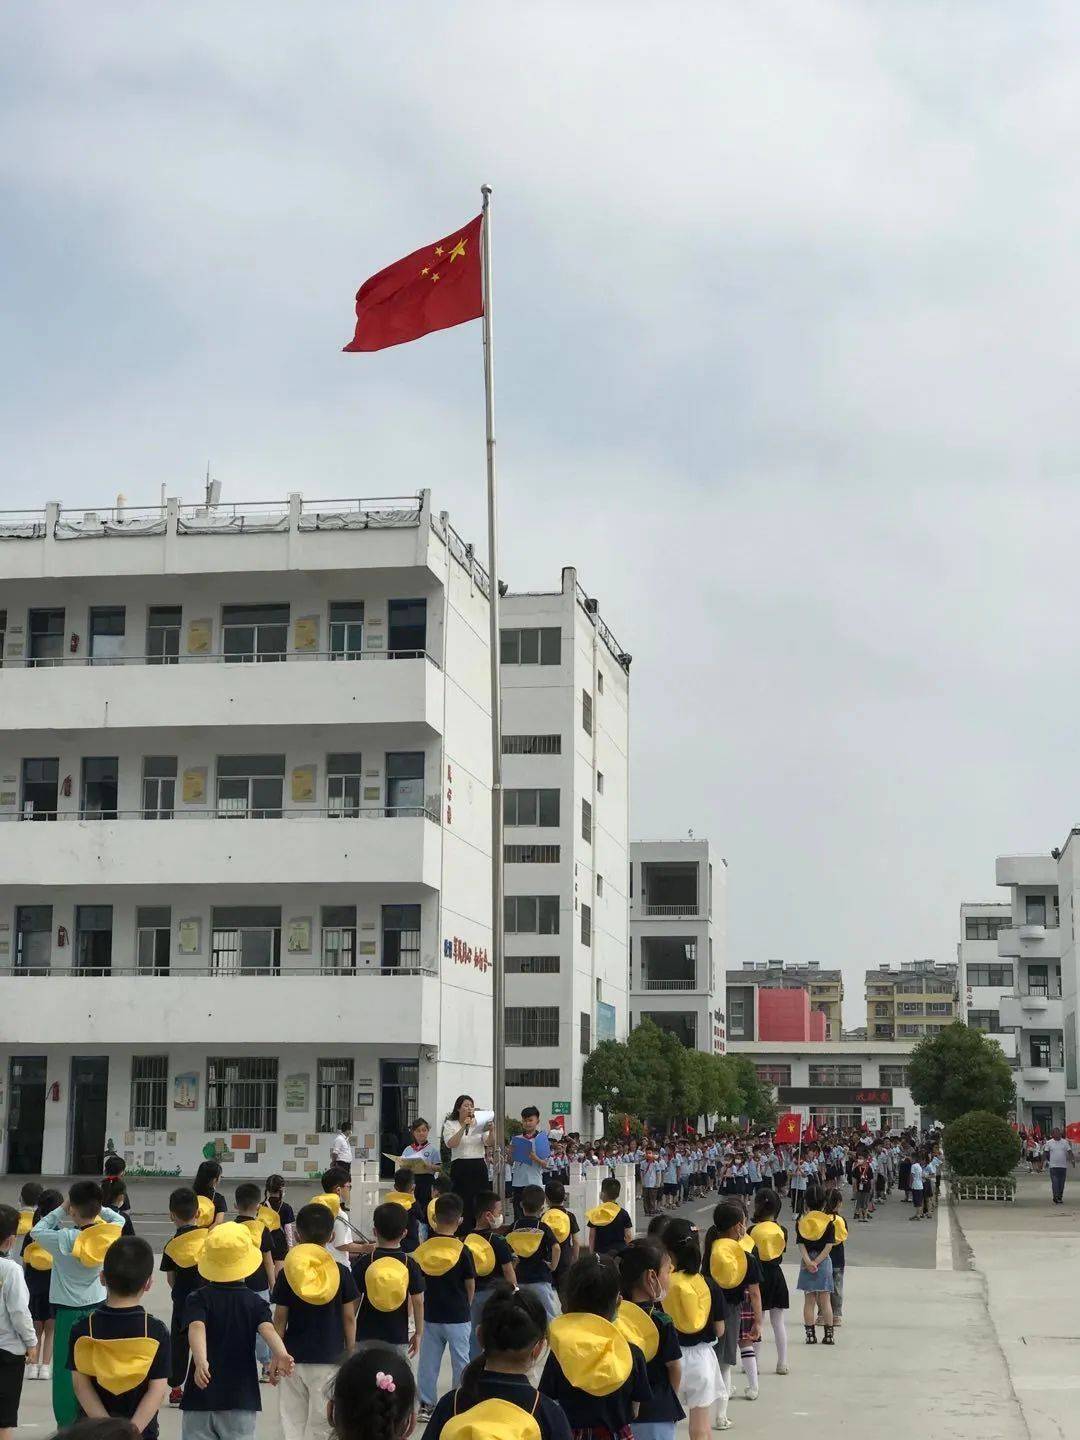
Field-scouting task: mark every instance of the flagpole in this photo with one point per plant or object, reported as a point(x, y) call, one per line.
point(498, 981)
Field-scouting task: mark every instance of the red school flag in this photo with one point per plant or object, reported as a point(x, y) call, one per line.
point(809, 1135)
point(431, 289)
point(787, 1129)
point(1072, 1130)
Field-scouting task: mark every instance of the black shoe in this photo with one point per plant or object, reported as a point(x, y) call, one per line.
point(828, 1340)
point(811, 1334)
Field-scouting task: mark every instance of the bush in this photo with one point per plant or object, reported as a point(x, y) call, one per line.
point(979, 1143)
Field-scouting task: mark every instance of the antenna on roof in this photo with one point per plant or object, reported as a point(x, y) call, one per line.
point(213, 489)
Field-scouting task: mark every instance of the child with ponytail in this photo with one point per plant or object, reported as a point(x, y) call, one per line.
point(373, 1397)
point(645, 1270)
point(696, 1305)
point(770, 1241)
point(496, 1383)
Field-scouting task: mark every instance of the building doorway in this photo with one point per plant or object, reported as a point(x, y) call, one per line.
point(1043, 1117)
point(26, 1114)
point(399, 1094)
point(89, 1098)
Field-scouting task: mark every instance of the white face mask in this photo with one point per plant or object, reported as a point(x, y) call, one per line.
point(496, 1222)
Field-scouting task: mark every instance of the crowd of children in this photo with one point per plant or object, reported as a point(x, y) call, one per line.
point(352, 1331)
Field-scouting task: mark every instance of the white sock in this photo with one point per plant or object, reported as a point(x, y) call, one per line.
point(722, 1404)
point(749, 1365)
point(778, 1319)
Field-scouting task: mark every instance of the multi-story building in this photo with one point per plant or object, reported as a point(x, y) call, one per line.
point(565, 703)
point(245, 872)
point(746, 986)
point(1030, 946)
point(985, 980)
point(677, 940)
point(838, 1083)
point(910, 1001)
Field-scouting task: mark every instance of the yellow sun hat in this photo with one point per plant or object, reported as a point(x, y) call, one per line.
point(269, 1217)
point(840, 1228)
point(26, 1222)
point(386, 1283)
point(525, 1242)
point(813, 1224)
point(439, 1254)
point(770, 1239)
point(482, 1252)
point(727, 1263)
point(493, 1420)
point(330, 1200)
point(591, 1352)
point(117, 1365)
point(313, 1274)
point(431, 1212)
point(37, 1257)
point(204, 1216)
point(688, 1302)
point(405, 1198)
point(603, 1214)
point(229, 1254)
point(639, 1328)
point(184, 1250)
point(92, 1243)
point(558, 1222)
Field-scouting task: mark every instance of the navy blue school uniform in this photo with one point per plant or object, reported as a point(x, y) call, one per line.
point(611, 1238)
point(513, 1388)
point(612, 1412)
point(534, 1269)
point(503, 1256)
point(232, 1314)
point(124, 1323)
point(37, 1284)
point(566, 1247)
point(257, 1280)
point(664, 1405)
point(279, 1241)
point(315, 1334)
point(707, 1334)
point(186, 1279)
point(446, 1301)
point(390, 1326)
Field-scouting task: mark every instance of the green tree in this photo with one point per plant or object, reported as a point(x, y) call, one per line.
point(755, 1098)
point(958, 1070)
point(683, 1076)
point(610, 1080)
point(652, 1071)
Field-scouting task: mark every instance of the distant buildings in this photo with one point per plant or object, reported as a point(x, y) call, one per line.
point(770, 1000)
point(918, 998)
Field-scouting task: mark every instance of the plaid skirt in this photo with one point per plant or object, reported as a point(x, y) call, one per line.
point(746, 1320)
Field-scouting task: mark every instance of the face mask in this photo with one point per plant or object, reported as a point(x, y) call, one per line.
point(496, 1222)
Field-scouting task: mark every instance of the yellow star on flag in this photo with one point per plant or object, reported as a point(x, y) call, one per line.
point(438, 250)
point(458, 252)
point(426, 270)
point(435, 277)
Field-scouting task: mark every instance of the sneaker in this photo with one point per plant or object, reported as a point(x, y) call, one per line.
point(751, 1392)
point(782, 1370)
point(264, 1375)
point(31, 1372)
point(176, 1394)
point(722, 1423)
point(44, 1372)
point(425, 1412)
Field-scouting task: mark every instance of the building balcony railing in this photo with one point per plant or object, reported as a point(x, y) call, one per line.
point(131, 971)
point(99, 662)
point(228, 811)
point(649, 983)
point(671, 911)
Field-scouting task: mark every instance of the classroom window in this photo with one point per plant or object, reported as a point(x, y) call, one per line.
point(241, 1094)
point(254, 632)
point(531, 807)
point(586, 924)
point(163, 635)
point(40, 789)
point(985, 927)
point(586, 712)
point(149, 1092)
point(895, 1075)
point(93, 939)
point(245, 940)
point(531, 646)
point(46, 637)
point(533, 1079)
point(405, 782)
point(250, 787)
point(344, 782)
point(338, 939)
point(106, 634)
point(586, 1033)
point(531, 854)
point(774, 1074)
point(835, 1074)
point(406, 629)
point(401, 937)
point(586, 821)
point(346, 630)
point(33, 939)
point(532, 744)
point(998, 976)
point(532, 1024)
point(988, 1021)
point(1035, 909)
point(100, 787)
point(153, 942)
point(532, 964)
point(531, 914)
point(333, 1096)
point(159, 787)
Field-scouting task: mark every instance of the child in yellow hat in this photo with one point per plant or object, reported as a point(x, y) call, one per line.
point(119, 1355)
point(180, 1266)
point(391, 1285)
point(610, 1227)
point(37, 1268)
point(450, 1283)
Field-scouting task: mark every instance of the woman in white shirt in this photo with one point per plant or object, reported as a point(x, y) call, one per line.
point(468, 1144)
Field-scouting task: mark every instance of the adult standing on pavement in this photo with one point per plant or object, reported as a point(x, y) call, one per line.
point(1059, 1155)
point(468, 1143)
point(341, 1153)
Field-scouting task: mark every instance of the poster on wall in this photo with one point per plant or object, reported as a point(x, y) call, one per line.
point(605, 1021)
point(296, 1091)
point(186, 1091)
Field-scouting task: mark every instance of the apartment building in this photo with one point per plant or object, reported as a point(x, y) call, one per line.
point(678, 936)
point(748, 1010)
point(565, 701)
point(843, 1084)
point(911, 1000)
point(984, 979)
point(245, 871)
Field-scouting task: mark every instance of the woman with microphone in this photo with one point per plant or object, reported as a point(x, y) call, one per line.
point(468, 1143)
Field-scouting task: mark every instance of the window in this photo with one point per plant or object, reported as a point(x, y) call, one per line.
point(939, 1007)
point(998, 976)
point(895, 1075)
point(835, 1074)
point(531, 914)
point(1038, 980)
point(1039, 1051)
point(586, 1033)
point(532, 964)
point(985, 927)
point(599, 682)
point(586, 712)
point(531, 646)
point(989, 1021)
point(149, 1092)
point(333, 1096)
point(346, 630)
point(401, 937)
point(882, 1010)
point(531, 807)
point(159, 786)
point(736, 1011)
point(909, 1007)
point(586, 924)
point(586, 821)
point(532, 1025)
point(40, 789)
point(33, 939)
point(407, 629)
point(531, 854)
point(774, 1074)
point(153, 938)
point(1035, 909)
point(338, 939)
point(532, 744)
point(46, 637)
point(254, 632)
point(100, 785)
point(250, 787)
point(93, 939)
point(599, 782)
point(909, 1031)
point(106, 634)
point(883, 1032)
point(405, 782)
point(163, 635)
point(682, 1023)
point(241, 1094)
point(533, 1079)
point(344, 784)
point(599, 883)
point(245, 940)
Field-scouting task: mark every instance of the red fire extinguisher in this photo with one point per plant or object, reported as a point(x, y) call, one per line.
point(54, 1090)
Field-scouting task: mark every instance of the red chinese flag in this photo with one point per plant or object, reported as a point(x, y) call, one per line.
point(810, 1133)
point(431, 289)
point(787, 1129)
point(1072, 1130)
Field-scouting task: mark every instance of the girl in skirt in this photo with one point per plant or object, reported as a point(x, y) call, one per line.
point(696, 1305)
point(816, 1235)
point(770, 1242)
point(730, 1261)
point(37, 1268)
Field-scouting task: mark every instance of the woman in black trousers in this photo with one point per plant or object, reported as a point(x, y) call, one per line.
point(468, 1145)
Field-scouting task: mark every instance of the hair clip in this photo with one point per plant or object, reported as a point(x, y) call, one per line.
point(385, 1381)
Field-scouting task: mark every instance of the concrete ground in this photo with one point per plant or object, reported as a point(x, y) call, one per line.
point(917, 1355)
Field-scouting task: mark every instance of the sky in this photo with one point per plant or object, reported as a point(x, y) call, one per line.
point(787, 349)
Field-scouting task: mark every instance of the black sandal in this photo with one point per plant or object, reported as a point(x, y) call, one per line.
point(811, 1334)
point(828, 1340)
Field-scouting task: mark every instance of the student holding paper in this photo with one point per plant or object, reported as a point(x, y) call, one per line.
point(526, 1169)
point(422, 1149)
